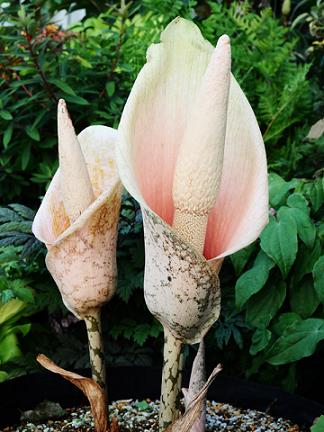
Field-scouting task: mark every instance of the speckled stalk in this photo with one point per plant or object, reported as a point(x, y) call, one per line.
point(171, 380)
point(96, 349)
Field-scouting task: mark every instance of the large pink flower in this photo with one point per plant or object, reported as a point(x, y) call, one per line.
point(174, 99)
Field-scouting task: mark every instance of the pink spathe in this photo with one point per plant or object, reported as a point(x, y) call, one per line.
point(157, 116)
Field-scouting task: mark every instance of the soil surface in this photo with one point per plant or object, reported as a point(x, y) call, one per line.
point(142, 416)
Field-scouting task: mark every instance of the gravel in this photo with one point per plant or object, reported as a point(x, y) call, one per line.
point(142, 416)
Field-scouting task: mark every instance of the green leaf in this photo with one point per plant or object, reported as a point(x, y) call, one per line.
point(297, 200)
point(23, 211)
point(78, 100)
point(253, 280)
point(318, 275)
point(7, 135)
point(303, 298)
point(110, 88)
point(33, 133)
point(240, 258)
point(25, 156)
point(314, 190)
point(9, 348)
point(63, 86)
point(278, 189)
point(297, 342)
point(22, 291)
point(318, 426)
point(299, 211)
point(264, 305)
point(284, 321)
point(305, 261)
point(7, 215)
point(141, 333)
point(260, 339)
point(6, 115)
point(10, 309)
point(3, 376)
point(279, 240)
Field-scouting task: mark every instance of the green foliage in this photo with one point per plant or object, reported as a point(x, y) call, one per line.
point(318, 426)
point(264, 63)
point(281, 291)
point(10, 312)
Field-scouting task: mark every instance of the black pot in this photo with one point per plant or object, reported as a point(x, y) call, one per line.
point(26, 392)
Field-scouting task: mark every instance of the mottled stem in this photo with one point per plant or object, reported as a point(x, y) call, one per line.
point(171, 380)
point(96, 349)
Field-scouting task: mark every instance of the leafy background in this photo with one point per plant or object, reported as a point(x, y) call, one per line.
point(272, 321)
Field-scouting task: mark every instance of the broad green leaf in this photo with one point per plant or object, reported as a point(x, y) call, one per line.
point(63, 86)
point(253, 280)
point(260, 339)
point(303, 298)
point(33, 133)
point(78, 100)
point(7, 135)
point(240, 258)
point(318, 425)
point(9, 348)
point(314, 190)
point(3, 376)
point(110, 88)
point(8, 310)
point(297, 200)
point(264, 305)
point(6, 115)
point(305, 261)
point(299, 211)
point(283, 321)
point(278, 189)
point(279, 240)
point(297, 342)
point(318, 275)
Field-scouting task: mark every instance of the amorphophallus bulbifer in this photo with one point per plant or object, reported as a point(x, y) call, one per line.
point(77, 220)
point(191, 153)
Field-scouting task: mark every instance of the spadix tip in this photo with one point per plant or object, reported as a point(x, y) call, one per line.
point(224, 40)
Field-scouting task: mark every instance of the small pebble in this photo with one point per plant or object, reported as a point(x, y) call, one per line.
point(132, 417)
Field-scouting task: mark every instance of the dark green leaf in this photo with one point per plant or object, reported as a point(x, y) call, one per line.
point(279, 240)
point(63, 86)
point(23, 211)
point(318, 274)
point(264, 305)
point(7, 135)
point(78, 100)
point(33, 133)
point(6, 115)
point(110, 88)
point(283, 321)
point(253, 280)
point(25, 156)
point(240, 258)
point(297, 342)
point(260, 339)
point(305, 261)
point(299, 211)
point(303, 298)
